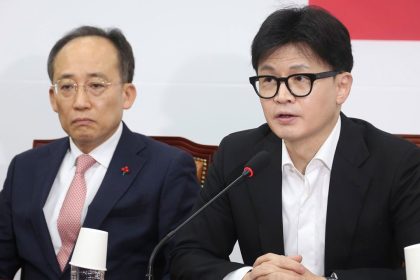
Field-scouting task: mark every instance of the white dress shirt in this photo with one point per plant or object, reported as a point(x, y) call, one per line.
point(93, 176)
point(304, 206)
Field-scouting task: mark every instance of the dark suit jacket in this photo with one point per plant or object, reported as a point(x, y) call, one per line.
point(136, 209)
point(373, 207)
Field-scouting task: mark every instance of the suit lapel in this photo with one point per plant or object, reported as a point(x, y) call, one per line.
point(266, 195)
point(348, 185)
point(129, 152)
point(46, 173)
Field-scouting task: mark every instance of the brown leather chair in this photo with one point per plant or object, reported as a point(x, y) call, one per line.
point(415, 138)
point(202, 154)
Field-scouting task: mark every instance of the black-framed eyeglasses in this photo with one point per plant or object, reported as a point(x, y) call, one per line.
point(299, 85)
point(94, 87)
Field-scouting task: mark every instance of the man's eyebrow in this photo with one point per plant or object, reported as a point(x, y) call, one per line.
point(296, 67)
point(97, 75)
point(266, 67)
point(299, 67)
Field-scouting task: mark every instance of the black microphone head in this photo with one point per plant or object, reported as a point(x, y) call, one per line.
point(260, 160)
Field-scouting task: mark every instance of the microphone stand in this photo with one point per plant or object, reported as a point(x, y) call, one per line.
point(149, 275)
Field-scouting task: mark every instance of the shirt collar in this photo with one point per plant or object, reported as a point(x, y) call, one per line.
point(325, 154)
point(104, 152)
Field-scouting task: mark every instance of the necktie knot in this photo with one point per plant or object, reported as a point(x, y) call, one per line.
point(83, 163)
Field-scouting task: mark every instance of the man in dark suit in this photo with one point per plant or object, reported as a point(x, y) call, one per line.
point(136, 189)
point(340, 199)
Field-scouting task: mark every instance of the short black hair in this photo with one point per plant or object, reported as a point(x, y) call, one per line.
point(311, 27)
point(114, 35)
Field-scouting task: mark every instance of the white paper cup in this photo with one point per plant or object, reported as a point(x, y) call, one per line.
point(90, 249)
point(412, 262)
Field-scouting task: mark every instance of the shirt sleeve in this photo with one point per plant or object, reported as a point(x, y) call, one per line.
point(238, 274)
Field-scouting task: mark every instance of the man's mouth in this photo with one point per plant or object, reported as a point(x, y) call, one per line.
point(82, 121)
point(285, 116)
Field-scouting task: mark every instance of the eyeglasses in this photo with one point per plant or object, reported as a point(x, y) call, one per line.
point(68, 88)
point(299, 85)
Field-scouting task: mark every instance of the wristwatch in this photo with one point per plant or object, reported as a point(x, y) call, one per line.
point(333, 276)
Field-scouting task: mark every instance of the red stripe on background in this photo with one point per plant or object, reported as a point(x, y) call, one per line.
point(377, 19)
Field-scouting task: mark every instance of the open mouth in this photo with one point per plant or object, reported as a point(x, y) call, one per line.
point(285, 116)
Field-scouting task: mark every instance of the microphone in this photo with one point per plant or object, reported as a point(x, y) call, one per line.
point(260, 160)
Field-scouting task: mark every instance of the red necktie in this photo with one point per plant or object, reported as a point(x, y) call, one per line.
point(69, 219)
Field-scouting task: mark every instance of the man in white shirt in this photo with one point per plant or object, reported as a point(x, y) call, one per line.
point(340, 199)
point(133, 187)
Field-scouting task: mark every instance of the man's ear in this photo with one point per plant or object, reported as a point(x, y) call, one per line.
point(344, 81)
point(129, 95)
point(53, 100)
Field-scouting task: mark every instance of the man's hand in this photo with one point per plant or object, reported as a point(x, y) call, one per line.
point(272, 266)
